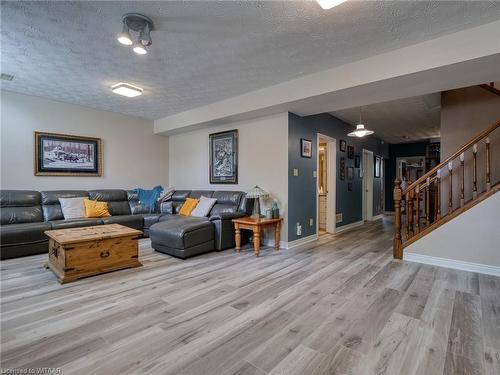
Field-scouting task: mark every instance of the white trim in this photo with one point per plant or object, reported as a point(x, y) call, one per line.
point(331, 198)
point(343, 228)
point(377, 217)
point(290, 245)
point(452, 263)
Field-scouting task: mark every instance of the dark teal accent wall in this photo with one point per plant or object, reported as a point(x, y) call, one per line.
point(302, 189)
point(398, 151)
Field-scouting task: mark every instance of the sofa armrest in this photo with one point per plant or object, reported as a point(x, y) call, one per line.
point(228, 215)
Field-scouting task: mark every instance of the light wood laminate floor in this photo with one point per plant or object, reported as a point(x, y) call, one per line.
point(338, 306)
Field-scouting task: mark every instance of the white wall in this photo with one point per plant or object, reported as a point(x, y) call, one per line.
point(262, 159)
point(472, 236)
point(133, 156)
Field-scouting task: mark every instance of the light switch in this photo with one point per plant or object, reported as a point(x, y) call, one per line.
point(295, 172)
point(315, 174)
point(311, 222)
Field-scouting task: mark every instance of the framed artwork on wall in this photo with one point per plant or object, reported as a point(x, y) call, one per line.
point(67, 155)
point(342, 169)
point(224, 157)
point(378, 166)
point(350, 152)
point(357, 161)
point(342, 145)
point(305, 148)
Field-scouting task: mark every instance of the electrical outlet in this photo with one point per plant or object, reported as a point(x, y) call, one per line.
point(315, 174)
point(338, 218)
point(311, 221)
point(295, 172)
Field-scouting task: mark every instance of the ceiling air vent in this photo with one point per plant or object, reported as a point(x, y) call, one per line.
point(6, 77)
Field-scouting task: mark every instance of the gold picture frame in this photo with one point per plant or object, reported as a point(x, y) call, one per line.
point(67, 155)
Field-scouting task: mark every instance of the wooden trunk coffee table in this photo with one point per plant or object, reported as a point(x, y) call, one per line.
point(256, 226)
point(75, 253)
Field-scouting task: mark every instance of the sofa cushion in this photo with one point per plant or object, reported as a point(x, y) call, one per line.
point(96, 209)
point(25, 233)
point(72, 208)
point(20, 206)
point(150, 219)
point(183, 233)
point(203, 207)
point(117, 200)
point(131, 221)
point(75, 223)
point(197, 194)
point(50, 202)
point(230, 197)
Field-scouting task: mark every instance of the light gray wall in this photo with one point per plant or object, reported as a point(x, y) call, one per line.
point(262, 159)
point(133, 156)
point(302, 188)
point(465, 113)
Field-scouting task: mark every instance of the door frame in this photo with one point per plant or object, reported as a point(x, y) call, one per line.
point(367, 199)
point(331, 180)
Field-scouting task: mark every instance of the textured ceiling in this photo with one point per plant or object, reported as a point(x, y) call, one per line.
point(405, 120)
point(204, 52)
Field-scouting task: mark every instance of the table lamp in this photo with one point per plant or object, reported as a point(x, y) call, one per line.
point(256, 193)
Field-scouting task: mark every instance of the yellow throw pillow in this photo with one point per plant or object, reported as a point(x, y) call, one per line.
point(95, 208)
point(188, 206)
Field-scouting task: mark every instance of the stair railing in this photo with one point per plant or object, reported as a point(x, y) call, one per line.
point(419, 207)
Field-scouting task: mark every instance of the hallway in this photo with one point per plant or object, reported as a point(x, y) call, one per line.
point(341, 305)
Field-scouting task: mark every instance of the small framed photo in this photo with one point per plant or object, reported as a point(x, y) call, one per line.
point(342, 169)
point(378, 166)
point(357, 161)
point(67, 155)
point(350, 173)
point(350, 152)
point(305, 148)
point(342, 145)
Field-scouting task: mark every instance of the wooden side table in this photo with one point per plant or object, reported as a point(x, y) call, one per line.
point(256, 226)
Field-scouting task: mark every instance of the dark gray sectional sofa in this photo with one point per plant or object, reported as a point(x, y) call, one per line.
point(26, 214)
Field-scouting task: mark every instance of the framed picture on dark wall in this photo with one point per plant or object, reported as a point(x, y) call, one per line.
point(342, 145)
point(350, 173)
point(224, 157)
point(357, 161)
point(378, 166)
point(342, 169)
point(67, 155)
point(350, 152)
point(305, 148)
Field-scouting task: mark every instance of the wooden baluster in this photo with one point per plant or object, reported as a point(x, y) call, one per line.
point(427, 202)
point(437, 215)
point(409, 230)
point(450, 190)
point(474, 171)
point(488, 182)
point(462, 181)
point(438, 195)
point(417, 209)
point(396, 249)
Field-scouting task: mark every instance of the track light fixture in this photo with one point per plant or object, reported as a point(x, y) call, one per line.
point(140, 24)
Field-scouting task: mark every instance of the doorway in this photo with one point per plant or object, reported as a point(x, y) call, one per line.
point(367, 197)
point(326, 184)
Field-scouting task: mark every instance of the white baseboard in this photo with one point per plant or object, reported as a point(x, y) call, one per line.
point(452, 263)
point(377, 217)
point(290, 245)
point(348, 226)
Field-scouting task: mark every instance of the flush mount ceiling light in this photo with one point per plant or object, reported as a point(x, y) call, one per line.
point(360, 129)
point(329, 4)
point(126, 89)
point(140, 24)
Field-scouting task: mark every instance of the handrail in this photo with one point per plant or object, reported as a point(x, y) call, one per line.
point(455, 155)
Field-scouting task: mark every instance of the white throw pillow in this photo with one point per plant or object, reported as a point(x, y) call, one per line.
point(72, 208)
point(203, 207)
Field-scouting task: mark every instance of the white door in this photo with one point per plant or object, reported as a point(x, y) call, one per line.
point(367, 185)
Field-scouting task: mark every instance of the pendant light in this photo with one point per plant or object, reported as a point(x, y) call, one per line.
point(360, 129)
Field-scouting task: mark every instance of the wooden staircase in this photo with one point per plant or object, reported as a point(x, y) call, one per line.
point(420, 209)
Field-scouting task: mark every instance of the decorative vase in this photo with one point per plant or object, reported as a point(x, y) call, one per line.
point(275, 210)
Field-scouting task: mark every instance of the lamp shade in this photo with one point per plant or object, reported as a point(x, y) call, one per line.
point(257, 192)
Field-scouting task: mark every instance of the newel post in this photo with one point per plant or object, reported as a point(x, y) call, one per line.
point(397, 251)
